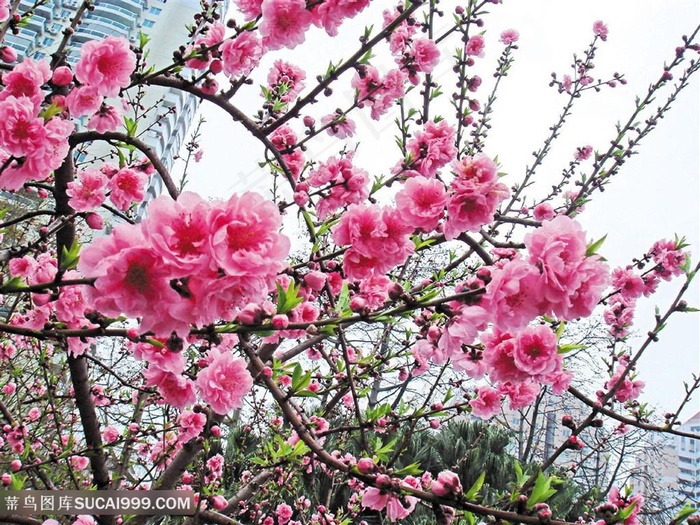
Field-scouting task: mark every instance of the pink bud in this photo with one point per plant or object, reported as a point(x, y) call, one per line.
point(9, 389)
point(6, 478)
point(15, 465)
point(7, 54)
point(301, 198)
point(94, 221)
point(42, 193)
point(358, 304)
point(210, 86)
point(434, 423)
point(315, 280)
point(215, 431)
point(133, 334)
point(62, 76)
point(218, 502)
point(309, 121)
point(216, 66)
point(365, 465)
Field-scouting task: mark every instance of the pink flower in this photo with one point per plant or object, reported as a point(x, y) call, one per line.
point(160, 357)
point(475, 46)
point(127, 187)
point(513, 295)
point(110, 434)
point(558, 249)
point(348, 184)
point(108, 118)
point(190, 425)
point(536, 351)
point(289, 76)
point(520, 394)
point(62, 76)
point(583, 153)
point(106, 64)
point(22, 132)
point(340, 125)
point(379, 240)
point(432, 148)
point(84, 520)
point(179, 230)
point(447, 483)
point(630, 284)
point(241, 54)
point(83, 100)
point(250, 8)
point(284, 513)
point(330, 14)
point(244, 239)
point(509, 36)
point(176, 389)
point(26, 80)
point(629, 389)
point(421, 203)
point(543, 212)
point(425, 53)
point(600, 30)
point(487, 403)
point(88, 192)
point(225, 382)
point(669, 259)
point(284, 23)
point(4, 10)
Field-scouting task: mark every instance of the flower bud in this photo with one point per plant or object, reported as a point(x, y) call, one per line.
point(62, 76)
point(366, 466)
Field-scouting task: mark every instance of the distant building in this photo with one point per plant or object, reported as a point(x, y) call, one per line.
point(688, 450)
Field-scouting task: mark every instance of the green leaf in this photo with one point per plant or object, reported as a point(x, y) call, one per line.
point(625, 513)
point(560, 329)
point(593, 248)
point(131, 127)
point(411, 470)
point(70, 256)
point(15, 282)
point(288, 299)
point(51, 111)
point(473, 491)
point(565, 349)
point(541, 492)
point(144, 39)
point(17, 482)
point(686, 511)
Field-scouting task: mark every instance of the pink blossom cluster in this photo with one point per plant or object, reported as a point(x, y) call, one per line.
point(189, 262)
point(378, 240)
point(431, 149)
point(285, 79)
point(474, 195)
point(384, 497)
point(284, 140)
point(125, 187)
point(344, 184)
point(31, 147)
point(378, 93)
point(284, 23)
point(222, 382)
point(668, 258)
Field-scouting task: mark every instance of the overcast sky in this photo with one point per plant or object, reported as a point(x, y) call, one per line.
point(657, 193)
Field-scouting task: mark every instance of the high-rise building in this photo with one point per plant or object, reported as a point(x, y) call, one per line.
point(688, 450)
point(164, 22)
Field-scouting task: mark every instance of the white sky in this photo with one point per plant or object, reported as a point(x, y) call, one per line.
point(656, 194)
